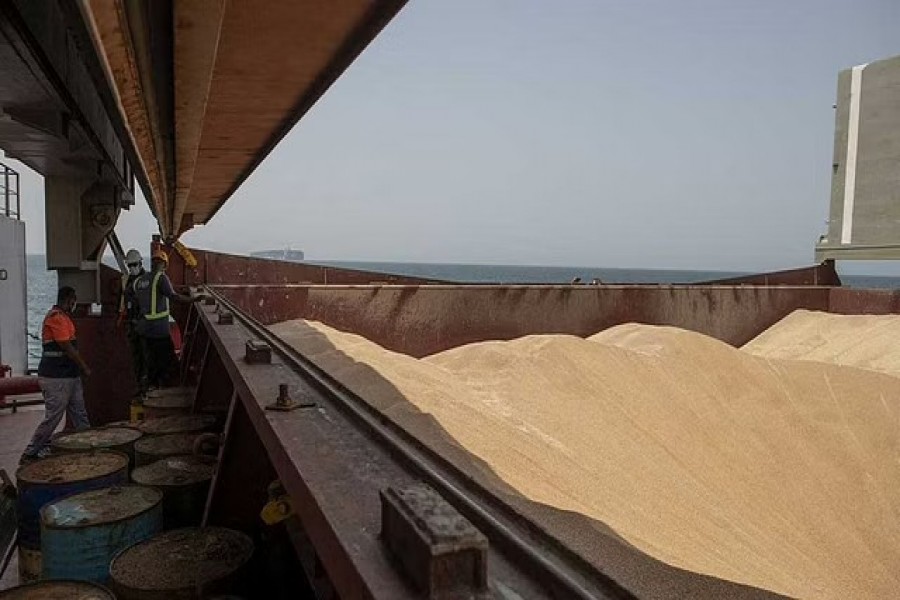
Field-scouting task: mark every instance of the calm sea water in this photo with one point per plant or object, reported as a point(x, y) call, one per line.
point(42, 283)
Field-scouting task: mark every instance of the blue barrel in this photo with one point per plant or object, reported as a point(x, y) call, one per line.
point(46, 480)
point(81, 533)
point(70, 590)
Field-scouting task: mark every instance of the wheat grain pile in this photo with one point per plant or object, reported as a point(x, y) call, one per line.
point(783, 475)
point(864, 341)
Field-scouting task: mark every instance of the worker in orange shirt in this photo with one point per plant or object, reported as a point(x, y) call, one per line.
point(59, 372)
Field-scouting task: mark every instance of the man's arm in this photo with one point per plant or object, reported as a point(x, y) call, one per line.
point(72, 353)
point(166, 289)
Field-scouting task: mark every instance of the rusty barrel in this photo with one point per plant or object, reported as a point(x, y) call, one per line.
point(184, 564)
point(184, 481)
point(177, 424)
point(168, 402)
point(80, 534)
point(155, 447)
point(121, 439)
point(58, 590)
point(49, 479)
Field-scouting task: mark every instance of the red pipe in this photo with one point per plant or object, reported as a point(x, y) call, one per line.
point(18, 386)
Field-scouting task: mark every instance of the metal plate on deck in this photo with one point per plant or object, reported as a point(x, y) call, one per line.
point(98, 507)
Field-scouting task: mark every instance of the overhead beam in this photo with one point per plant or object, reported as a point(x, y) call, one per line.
point(373, 19)
point(199, 25)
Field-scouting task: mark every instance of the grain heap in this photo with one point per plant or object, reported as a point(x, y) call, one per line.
point(779, 474)
point(864, 341)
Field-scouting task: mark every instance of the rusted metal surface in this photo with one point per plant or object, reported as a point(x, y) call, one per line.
point(422, 320)
point(441, 551)
point(214, 388)
point(257, 353)
point(109, 389)
point(822, 275)
point(864, 302)
point(216, 268)
point(184, 564)
point(184, 481)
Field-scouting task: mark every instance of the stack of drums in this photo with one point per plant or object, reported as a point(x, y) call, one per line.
point(58, 590)
point(49, 479)
point(99, 438)
point(184, 481)
point(81, 534)
point(185, 564)
point(177, 424)
point(153, 448)
point(168, 402)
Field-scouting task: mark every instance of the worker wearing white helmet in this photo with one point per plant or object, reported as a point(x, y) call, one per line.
point(130, 315)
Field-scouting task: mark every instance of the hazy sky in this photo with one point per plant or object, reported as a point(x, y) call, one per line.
point(628, 133)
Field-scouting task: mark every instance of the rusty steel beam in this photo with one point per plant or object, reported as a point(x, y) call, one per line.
point(422, 320)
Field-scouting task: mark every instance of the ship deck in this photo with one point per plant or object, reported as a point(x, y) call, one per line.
point(17, 429)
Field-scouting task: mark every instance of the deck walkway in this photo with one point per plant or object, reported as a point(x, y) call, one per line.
point(15, 431)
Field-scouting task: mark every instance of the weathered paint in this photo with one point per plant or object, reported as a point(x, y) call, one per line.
point(864, 302)
point(81, 534)
point(422, 320)
point(49, 479)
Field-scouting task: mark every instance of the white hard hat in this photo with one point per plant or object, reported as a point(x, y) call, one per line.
point(133, 257)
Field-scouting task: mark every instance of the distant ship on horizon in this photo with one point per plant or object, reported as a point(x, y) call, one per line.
point(287, 254)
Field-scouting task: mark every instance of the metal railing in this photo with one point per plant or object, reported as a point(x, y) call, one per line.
point(9, 192)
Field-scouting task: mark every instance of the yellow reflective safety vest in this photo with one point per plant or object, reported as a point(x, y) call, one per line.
point(154, 306)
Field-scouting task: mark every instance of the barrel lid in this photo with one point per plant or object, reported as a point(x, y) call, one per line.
point(98, 437)
point(182, 558)
point(68, 468)
point(175, 471)
point(98, 507)
point(58, 590)
point(167, 445)
point(170, 398)
point(177, 424)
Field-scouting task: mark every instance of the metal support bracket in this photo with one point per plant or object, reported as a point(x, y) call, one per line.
point(257, 353)
point(439, 549)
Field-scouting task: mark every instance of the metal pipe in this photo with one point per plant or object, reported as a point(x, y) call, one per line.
point(19, 386)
